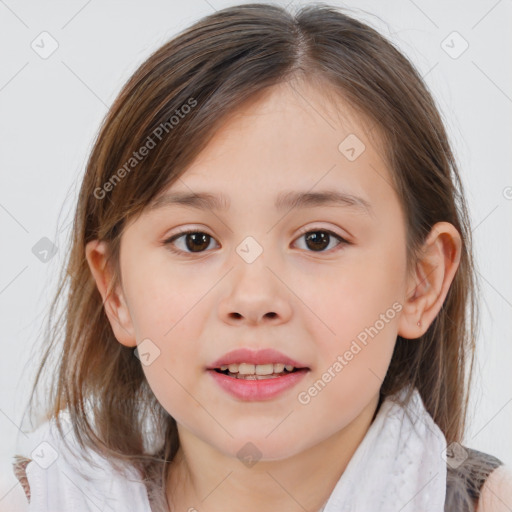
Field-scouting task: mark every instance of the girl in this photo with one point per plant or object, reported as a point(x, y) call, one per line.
point(271, 290)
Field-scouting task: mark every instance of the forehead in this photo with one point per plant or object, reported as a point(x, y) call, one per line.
point(318, 105)
point(291, 118)
point(289, 140)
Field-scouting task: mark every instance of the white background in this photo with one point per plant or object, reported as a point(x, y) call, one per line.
point(51, 109)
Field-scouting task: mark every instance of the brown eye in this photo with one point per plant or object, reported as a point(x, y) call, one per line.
point(195, 242)
point(317, 240)
point(199, 241)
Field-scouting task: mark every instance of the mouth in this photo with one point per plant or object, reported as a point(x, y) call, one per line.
point(250, 375)
point(248, 371)
point(250, 382)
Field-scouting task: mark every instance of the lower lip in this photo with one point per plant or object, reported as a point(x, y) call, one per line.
point(254, 390)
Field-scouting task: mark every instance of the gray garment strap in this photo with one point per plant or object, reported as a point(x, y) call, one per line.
point(465, 478)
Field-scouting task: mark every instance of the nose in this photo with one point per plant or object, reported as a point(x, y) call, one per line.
point(256, 294)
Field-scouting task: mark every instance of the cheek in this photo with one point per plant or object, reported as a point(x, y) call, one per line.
point(173, 372)
point(170, 383)
point(165, 306)
point(163, 295)
point(362, 312)
point(355, 296)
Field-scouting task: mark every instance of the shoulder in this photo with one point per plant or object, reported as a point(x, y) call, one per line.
point(55, 475)
point(468, 470)
point(496, 493)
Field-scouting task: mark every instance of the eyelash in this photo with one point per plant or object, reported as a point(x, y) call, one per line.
point(169, 242)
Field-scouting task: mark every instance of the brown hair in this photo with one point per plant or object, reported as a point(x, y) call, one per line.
point(213, 67)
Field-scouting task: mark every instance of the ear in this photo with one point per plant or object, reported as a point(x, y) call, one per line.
point(114, 301)
point(428, 287)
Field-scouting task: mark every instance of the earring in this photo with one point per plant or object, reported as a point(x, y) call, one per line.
point(419, 324)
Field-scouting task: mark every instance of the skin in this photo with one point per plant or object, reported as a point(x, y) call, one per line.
point(496, 493)
point(198, 306)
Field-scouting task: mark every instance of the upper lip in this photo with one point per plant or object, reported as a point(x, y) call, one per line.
point(263, 356)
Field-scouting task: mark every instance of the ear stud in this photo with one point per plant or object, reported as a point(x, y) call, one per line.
point(419, 324)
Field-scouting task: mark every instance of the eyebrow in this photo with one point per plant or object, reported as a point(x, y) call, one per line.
point(284, 201)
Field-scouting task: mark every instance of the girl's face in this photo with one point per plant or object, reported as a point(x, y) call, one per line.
point(322, 281)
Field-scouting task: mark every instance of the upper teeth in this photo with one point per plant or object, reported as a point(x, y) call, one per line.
point(256, 369)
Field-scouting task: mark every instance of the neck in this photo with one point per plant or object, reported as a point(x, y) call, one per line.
point(205, 479)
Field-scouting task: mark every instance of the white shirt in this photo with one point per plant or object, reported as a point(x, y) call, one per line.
point(397, 466)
